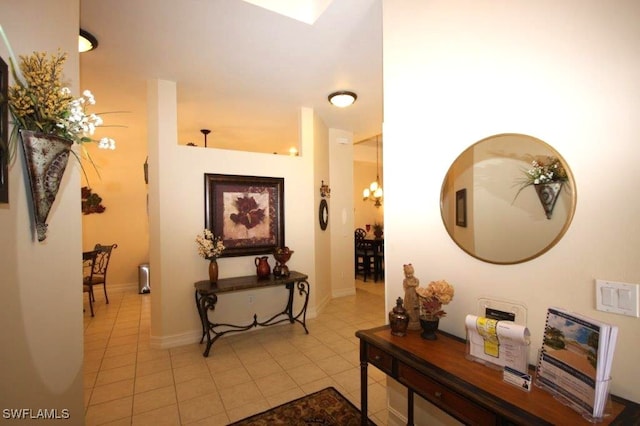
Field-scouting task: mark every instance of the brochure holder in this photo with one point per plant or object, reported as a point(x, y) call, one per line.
point(576, 407)
point(502, 310)
point(574, 362)
point(497, 337)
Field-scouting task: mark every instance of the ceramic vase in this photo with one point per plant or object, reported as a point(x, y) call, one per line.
point(213, 271)
point(282, 256)
point(46, 158)
point(263, 270)
point(429, 328)
point(398, 319)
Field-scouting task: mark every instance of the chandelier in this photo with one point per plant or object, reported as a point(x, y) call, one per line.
point(374, 191)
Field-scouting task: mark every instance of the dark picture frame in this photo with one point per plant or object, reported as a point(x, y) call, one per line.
point(4, 132)
point(323, 214)
point(461, 207)
point(246, 211)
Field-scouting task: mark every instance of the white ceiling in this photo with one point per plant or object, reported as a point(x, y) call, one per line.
point(241, 70)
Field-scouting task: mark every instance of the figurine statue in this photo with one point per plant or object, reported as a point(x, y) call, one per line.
point(411, 303)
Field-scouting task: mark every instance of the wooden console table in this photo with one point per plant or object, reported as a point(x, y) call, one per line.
point(471, 392)
point(207, 296)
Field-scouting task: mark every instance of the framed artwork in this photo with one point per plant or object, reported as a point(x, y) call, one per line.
point(4, 132)
point(461, 207)
point(246, 211)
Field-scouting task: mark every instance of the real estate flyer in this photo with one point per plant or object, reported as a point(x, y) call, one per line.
point(575, 360)
point(502, 343)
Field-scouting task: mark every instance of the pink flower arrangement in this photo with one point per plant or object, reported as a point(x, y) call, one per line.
point(432, 297)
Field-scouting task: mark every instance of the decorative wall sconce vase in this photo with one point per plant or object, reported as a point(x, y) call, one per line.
point(325, 191)
point(548, 194)
point(46, 157)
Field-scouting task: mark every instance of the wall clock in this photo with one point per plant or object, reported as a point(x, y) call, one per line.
point(323, 214)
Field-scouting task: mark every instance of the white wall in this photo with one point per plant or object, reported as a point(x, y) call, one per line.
point(40, 295)
point(176, 203)
point(341, 216)
point(565, 72)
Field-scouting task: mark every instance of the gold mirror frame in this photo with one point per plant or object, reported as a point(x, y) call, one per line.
point(486, 212)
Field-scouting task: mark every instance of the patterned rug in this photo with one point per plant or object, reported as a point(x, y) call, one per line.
point(323, 408)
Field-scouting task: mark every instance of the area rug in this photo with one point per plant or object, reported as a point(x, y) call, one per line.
point(323, 408)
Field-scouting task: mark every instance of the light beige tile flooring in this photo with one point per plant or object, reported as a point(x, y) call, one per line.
point(126, 382)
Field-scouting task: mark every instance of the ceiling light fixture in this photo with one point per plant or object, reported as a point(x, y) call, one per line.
point(374, 191)
point(342, 98)
point(86, 41)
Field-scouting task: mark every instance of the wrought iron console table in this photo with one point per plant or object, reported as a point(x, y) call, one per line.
point(206, 295)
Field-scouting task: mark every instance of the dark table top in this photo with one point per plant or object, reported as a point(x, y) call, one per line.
point(226, 285)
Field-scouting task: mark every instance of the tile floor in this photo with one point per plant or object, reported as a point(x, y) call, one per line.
point(126, 382)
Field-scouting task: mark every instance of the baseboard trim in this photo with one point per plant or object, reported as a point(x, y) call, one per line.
point(175, 340)
point(395, 418)
point(320, 305)
point(343, 292)
point(123, 286)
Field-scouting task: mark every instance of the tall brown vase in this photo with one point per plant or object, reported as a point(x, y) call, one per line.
point(46, 158)
point(213, 270)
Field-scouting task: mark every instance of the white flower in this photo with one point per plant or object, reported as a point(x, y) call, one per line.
point(209, 246)
point(107, 143)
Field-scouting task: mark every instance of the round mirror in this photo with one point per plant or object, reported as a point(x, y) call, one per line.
point(508, 198)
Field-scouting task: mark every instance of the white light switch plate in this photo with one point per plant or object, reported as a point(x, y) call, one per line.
point(618, 298)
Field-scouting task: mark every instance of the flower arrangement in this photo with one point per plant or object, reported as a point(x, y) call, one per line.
point(378, 229)
point(91, 202)
point(39, 101)
point(432, 297)
point(544, 171)
point(209, 246)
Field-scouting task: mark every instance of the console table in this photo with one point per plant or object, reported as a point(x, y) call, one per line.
point(207, 296)
point(471, 392)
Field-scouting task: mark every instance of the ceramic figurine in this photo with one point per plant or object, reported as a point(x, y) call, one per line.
point(411, 304)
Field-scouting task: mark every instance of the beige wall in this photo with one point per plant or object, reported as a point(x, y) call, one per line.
point(40, 296)
point(120, 182)
point(565, 72)
point(365, 211)
point(176, 216)
point(322, 253)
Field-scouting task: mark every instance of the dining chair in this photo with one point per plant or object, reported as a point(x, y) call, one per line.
point(88, 265)
point(379, 260)
point(101, 266)
point(364, 255)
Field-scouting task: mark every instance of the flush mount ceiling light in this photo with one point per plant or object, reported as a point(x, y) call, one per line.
point(342, 98)
point(86, 41)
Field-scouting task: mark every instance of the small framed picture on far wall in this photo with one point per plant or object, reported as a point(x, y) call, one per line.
point(4, 132)
point(461, 207)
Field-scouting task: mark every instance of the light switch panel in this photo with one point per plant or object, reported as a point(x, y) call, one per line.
point(608, 295)
point(618, 298)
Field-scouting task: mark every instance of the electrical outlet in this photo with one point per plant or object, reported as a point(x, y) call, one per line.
point(251, 299)
point(618, 298)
